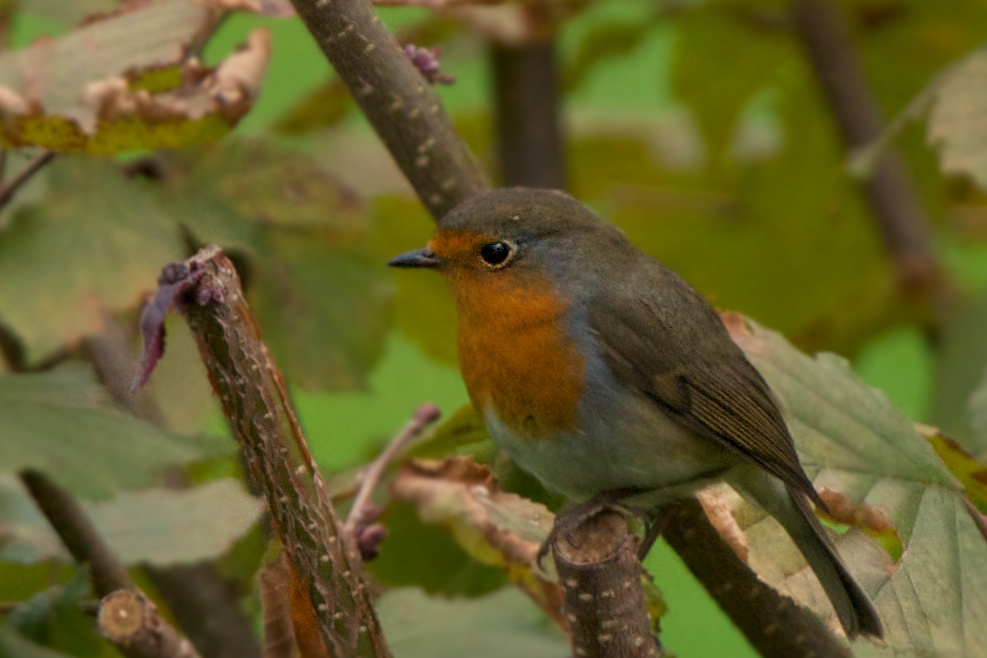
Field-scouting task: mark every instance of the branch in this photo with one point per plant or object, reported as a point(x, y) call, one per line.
point(529, 136)
point(152, 637)
point(402, 107)
point(773, 623)
point(604, 600)
point(250, 388)
point(889, 191)
point(199, 597)
point(132, 622)
point(11, 187)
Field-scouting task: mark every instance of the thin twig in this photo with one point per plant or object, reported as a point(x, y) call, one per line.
point(9, 189)
point(424, 416)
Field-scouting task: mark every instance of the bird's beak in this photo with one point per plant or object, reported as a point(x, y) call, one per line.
point(417, 258)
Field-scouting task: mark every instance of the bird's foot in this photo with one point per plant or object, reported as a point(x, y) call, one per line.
point(567, 522)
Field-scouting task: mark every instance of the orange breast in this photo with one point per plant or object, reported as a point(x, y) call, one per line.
point(516, 356)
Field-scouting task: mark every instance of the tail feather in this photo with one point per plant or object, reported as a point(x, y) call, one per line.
point(853, 608)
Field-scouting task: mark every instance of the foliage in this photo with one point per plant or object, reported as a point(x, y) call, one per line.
point(699, 128)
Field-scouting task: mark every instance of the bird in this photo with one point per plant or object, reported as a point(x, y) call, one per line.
point(607, 376)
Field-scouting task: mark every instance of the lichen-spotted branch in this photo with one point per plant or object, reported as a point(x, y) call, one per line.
point(324, 560)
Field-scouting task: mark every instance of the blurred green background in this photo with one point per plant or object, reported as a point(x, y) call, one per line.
point(699, 133)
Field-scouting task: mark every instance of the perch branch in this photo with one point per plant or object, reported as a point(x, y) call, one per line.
point(323, 557)
point(889, 191)
point(600, 575)
point(773, 623)
point(402, 107)
point(148, 635)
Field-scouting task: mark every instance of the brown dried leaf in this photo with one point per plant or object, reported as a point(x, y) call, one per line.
point(718, 504)
point(129, 80)
point(494, 527)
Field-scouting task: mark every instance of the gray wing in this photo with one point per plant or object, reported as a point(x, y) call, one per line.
point(667, 341)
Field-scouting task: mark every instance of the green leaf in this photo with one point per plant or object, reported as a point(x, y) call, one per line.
point(854, 443)
point(720, 62)
point(323, 309)
point(502, 625)
point(322, 298)
point(978, 418)
point(92, 248)
point(782, 221)
point(165, 527)
point(60, 422)
point(603, 40)
point(958, 403)
point(445, 568)
point(129, 80)
point(54, 617)
point(14, 645)
point(326, 106)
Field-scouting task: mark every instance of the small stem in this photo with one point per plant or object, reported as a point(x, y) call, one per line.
point(9, 189)
point(424, 416)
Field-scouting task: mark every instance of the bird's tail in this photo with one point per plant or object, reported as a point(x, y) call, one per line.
point(854, 609)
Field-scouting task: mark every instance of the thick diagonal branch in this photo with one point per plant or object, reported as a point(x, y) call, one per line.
point(401, 105)
point(322, 556)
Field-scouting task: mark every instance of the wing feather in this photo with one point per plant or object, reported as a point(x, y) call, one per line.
point(671, 345)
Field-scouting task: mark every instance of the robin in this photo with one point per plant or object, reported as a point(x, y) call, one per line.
point(608, 377)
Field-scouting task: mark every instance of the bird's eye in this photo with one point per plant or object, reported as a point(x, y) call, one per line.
point(497, 254)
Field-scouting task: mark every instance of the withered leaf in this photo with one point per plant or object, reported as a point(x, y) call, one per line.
point(129, 80)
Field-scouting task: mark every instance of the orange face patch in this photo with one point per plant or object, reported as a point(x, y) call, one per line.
point(514, 352)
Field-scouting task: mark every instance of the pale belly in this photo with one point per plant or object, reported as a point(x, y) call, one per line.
point(627, 442)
